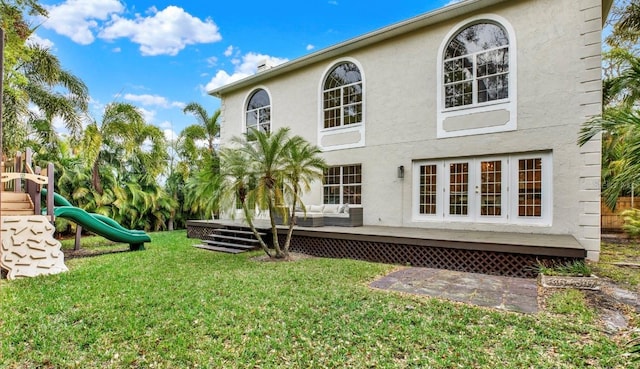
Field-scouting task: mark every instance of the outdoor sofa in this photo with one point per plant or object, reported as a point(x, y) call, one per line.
point(330, 215)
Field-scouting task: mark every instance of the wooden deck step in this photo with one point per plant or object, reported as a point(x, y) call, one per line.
point(232, 238)
point(229, 244)
point(220, 249)
point(237, 231)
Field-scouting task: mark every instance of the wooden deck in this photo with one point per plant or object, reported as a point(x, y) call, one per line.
point(503, 253)
point(524, 243)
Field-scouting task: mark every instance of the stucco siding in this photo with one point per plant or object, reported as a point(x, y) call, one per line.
point(558, 88)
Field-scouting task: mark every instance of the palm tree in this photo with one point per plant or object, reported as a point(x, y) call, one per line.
point(264, 170)
point(624, 88)
point(237, 188)
point(124, 143)
point(620, 129)
point(45, 78)
point(200, 164)
point(266, 153)
point(33, 76)
point(303, 165)
point(201, 187)
point(207, 128)
point(630, 19)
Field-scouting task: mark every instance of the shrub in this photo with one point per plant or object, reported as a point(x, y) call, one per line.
point(631, 222)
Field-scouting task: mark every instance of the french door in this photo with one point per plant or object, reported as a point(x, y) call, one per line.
point(476, 189)
point(507, 189)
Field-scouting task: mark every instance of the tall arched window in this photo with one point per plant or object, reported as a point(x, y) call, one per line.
point(476, 66)
point(342, 96)
point(259, 111)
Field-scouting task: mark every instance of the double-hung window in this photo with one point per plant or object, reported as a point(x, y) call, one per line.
point(343, 185)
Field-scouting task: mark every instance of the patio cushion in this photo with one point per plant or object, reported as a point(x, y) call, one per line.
point(331, 209)
point(315, 208)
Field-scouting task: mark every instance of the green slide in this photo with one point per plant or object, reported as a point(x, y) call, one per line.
point(99, 224)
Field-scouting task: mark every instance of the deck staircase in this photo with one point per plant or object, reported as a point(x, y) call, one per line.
point(16, 203)
point(231, 239)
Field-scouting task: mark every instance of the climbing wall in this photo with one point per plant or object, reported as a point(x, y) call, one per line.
point(28, 247)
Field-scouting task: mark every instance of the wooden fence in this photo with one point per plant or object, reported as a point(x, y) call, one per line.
point(611, 221)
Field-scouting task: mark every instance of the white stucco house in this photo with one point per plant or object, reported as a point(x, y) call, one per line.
point(464, 118)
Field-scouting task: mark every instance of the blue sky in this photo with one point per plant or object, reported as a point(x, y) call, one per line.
point(161, 55)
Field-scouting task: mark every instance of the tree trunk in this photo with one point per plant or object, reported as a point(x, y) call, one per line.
point(95, 179)
point(274, 230)
point(172, 215)
point(247, 217)
point(292, 222)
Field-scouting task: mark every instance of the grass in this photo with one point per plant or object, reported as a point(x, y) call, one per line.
point(571, 302)
point(574, 268)
point(611, 253)
point(92, 246)
point(175, 306)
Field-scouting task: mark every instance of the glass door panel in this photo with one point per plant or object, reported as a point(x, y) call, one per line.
point(458, 188)
point(490, 188)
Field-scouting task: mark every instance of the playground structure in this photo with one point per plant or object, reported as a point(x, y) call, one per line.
point(28, 247)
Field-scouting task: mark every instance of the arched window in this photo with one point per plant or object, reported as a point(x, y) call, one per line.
point(259, 111)
point(342, 96)
point(476, 66)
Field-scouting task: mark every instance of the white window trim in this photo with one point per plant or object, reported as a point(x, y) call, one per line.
point(547, 190)
point(509, 104)
point(356, 127)
point(246, 103)
point(341, 185)
point(509, 191)
point(416, 190)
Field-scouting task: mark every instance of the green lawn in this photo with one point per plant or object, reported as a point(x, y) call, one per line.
point(612, 253)
point(175, 306)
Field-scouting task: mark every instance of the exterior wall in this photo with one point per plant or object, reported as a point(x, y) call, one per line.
point(558, 88)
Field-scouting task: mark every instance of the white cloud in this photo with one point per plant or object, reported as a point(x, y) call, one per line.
point(229, 51)
point(212, 61)
point(44, 43)
point(149, 115)
point(163, 33)
point(77, 19)
point(116, 49)
point(154, 100)
point(310, 47)
point(223, 78)
point(333, 2)
point(242, 68)
point(170, 134)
